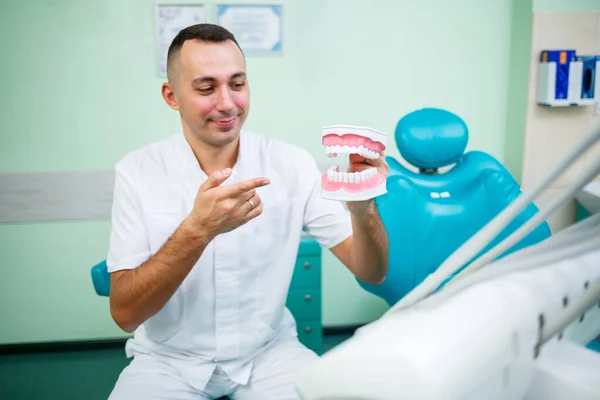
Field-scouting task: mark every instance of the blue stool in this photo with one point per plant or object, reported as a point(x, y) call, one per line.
point(429, 214)
point(101, 279)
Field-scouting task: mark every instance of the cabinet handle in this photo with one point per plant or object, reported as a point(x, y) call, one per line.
point(307, 297)
point(306, 265)
point(307, 329)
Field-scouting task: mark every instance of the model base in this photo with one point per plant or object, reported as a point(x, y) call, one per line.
point(359, 196)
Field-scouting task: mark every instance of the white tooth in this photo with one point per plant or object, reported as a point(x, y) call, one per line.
point(346, 149)
point(337, 149)
point(351, 177)
point(329, 174)
point(358, 177)
point(346, 177)
point(353, 149)
point(338, 176)
point(329, 150)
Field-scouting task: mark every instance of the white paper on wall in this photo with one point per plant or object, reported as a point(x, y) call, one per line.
point(170, 19)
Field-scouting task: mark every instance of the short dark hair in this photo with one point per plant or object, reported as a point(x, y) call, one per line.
point(203, 32)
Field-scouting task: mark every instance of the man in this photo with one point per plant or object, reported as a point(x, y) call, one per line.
point(206, 228)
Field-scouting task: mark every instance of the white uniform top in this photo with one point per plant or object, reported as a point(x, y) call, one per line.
point(233, 301)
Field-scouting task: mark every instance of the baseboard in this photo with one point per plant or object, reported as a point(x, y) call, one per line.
point(62, 346)
point(340, 329)
point(119, 343)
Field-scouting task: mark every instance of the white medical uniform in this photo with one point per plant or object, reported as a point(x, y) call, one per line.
point(226, 330)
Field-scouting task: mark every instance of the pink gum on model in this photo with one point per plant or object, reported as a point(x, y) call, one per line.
point(352, 186)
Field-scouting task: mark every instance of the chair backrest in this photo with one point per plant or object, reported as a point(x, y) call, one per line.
point(429, 214)
point(101, 279)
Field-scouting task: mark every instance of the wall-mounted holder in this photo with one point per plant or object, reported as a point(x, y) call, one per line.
point(566, 79)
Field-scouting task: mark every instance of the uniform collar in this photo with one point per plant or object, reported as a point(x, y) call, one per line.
point(189, 164)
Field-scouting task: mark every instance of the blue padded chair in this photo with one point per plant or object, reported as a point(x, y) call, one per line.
point(428, 214)
point(101, 279)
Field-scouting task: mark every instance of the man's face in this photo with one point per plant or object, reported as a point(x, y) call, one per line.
point(211, 91)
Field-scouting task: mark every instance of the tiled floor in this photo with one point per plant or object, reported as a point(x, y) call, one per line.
point(73, 375)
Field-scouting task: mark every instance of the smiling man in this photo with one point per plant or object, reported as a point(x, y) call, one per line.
point(206, 226)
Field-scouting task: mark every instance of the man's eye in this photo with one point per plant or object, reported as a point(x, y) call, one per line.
point(205, 90)
point(239, 85)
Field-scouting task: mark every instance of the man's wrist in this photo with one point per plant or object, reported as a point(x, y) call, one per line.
point(194, 232)
point(366, 211)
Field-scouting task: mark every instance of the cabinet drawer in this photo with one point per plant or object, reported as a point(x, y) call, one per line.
point(307, 272)
point(305, 303)
point(310, 333)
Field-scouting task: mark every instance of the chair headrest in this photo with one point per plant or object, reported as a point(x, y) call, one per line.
point(431, 138)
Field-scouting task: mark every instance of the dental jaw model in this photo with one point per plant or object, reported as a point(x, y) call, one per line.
point(353, 186)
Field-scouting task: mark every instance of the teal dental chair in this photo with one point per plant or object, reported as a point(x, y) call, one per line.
point(428, 214)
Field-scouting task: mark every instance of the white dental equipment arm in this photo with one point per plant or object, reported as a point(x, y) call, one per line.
point(513, 330)
point(492, 335)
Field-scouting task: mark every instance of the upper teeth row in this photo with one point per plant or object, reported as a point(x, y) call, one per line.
point(363, 151)
point(334, 175)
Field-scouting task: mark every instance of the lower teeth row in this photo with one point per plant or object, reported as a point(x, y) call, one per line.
point(352, 177)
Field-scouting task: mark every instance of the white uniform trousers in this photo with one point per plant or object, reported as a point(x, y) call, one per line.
point(273, 378)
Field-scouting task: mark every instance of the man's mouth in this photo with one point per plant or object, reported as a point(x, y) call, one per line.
point(224, 122)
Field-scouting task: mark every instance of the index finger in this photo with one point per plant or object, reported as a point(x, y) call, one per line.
point(242, 187)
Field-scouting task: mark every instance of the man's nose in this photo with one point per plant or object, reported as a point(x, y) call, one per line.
point(224, 100)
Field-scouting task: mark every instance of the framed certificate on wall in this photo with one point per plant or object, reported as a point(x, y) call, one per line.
point(170, 19)
point(256, 27)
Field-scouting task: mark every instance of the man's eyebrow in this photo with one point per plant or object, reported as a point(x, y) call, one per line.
point(238, 75)
point(204, 79)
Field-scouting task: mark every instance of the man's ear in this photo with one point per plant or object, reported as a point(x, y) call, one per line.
point(168, 94)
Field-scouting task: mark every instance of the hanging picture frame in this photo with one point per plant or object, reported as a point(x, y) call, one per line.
point(170, 18)
point(257, 27)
